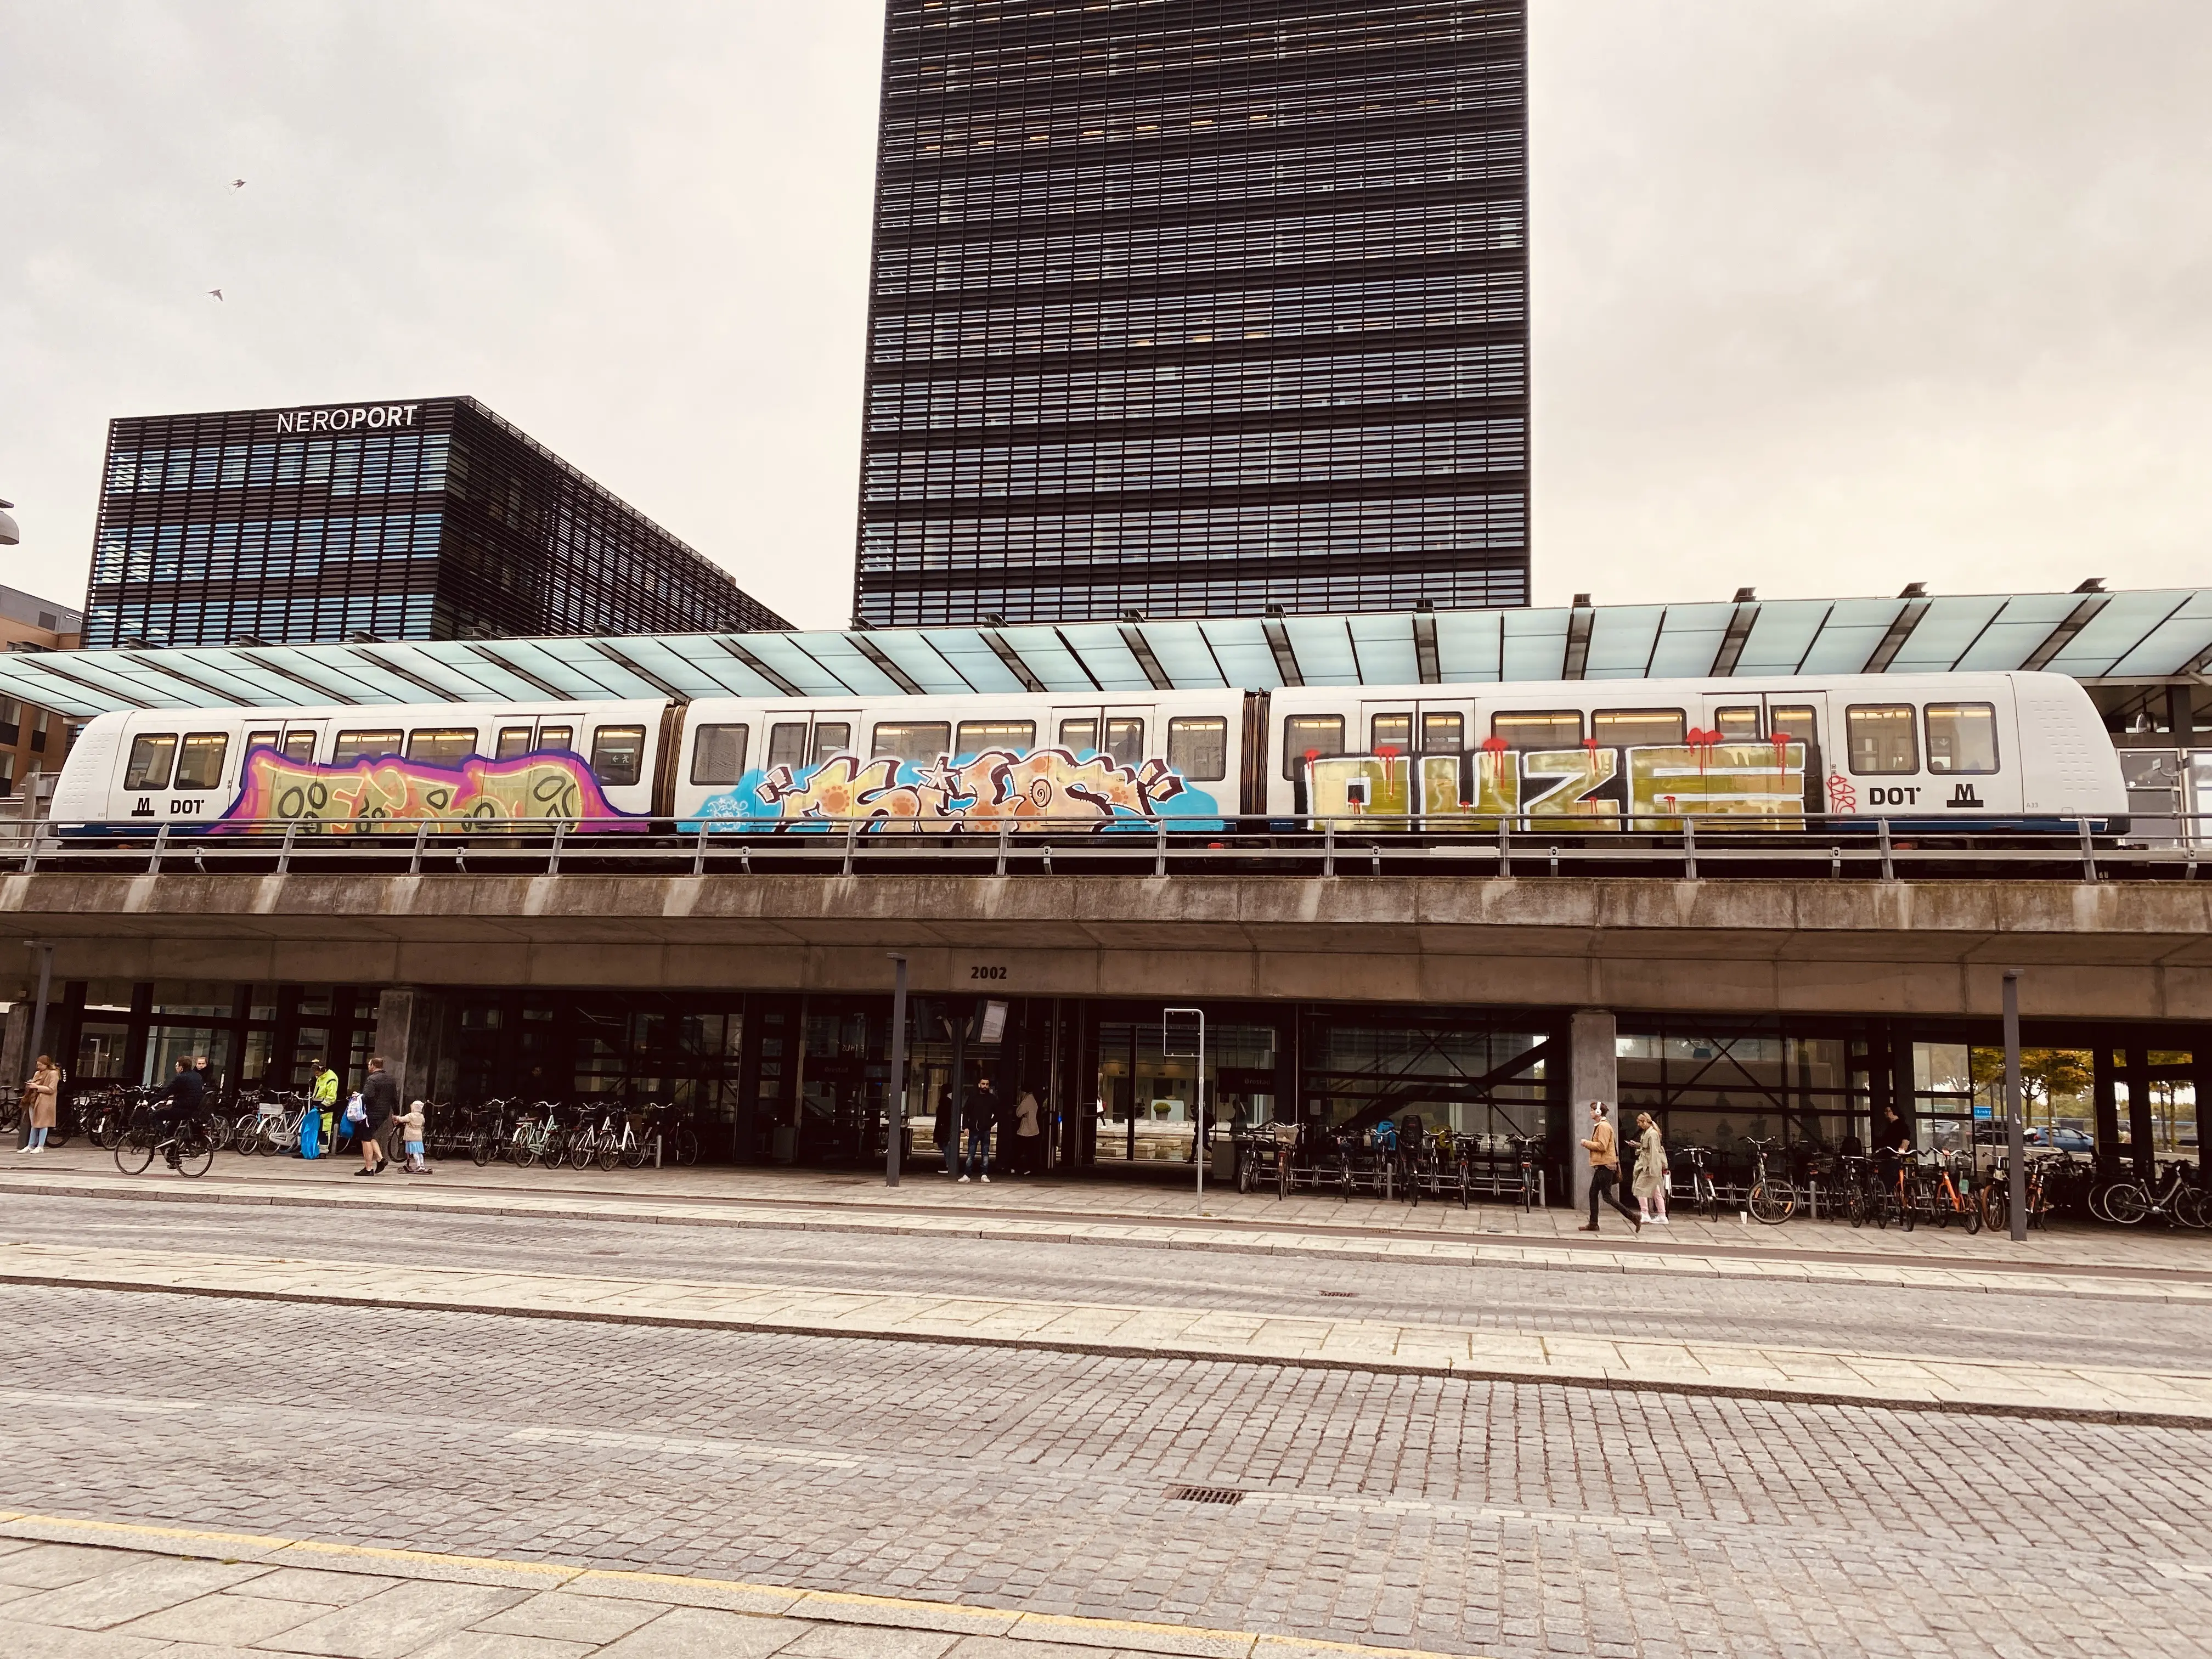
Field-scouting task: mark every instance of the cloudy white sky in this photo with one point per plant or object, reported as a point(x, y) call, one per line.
point(1830, 295)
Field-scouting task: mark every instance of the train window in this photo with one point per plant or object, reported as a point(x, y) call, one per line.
point(1198, 747)
point(1883, 740)
point(831, 738)
point(1962, 736)
point(199, 762)
point(1624, 728)
point(1793, 722)
point(1539, 728)
point(1124, 741)
point(513, 743)
point(300, 747)
point(1391, 732)
point(442, 745)
point(1080, 737)
point(1442, 734)
point(1311, 736)
point(151, 755)
point(912, 740)
point(556, 739)
point(260, 741)
point(787, 743)
point(718, 755)
point(976, 736)
point(1739, 724)
point(363, 745)
point(619, 754)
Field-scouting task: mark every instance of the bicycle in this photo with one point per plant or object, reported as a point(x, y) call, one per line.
point(1705, 1196)
point(1946, 1200)
point(188, 1146)
point(1770, 1201)
point(2178, 1199)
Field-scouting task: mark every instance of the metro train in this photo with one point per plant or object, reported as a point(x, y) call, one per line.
point(2008, 750)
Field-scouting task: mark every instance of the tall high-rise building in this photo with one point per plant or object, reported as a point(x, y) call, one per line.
point(1197, 307)
point(434, 519)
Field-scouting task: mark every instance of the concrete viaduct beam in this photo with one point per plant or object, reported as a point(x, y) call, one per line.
point(2125, 950)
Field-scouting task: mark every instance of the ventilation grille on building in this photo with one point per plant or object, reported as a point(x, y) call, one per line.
point(1204, 1495)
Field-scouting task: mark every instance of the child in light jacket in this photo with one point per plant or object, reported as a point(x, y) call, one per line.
point(410, 1127)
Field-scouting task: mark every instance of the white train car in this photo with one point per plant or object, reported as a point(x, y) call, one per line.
point(205, 767)
point(1064, 760)
point(1953, 749)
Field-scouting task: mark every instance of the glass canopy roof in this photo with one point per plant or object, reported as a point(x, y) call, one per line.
point(2146, 636)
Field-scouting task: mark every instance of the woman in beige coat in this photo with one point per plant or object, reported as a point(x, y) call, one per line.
point(1650, 1182)
point(39, 1096)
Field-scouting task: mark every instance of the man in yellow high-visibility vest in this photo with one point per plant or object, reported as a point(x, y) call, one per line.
point(326, 1103)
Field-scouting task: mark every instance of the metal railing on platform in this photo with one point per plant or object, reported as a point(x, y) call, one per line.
point(1813, 846)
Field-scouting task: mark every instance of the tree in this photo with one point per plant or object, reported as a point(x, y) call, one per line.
point(2044, 1074)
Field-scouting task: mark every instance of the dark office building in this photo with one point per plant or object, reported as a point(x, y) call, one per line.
point(427, 520)
point(1197, 307)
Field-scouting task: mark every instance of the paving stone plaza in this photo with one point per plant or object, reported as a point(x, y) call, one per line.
point(488, 1413)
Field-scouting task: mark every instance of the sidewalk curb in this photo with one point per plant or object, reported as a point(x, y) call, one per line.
point(761, 1600)
point(1692, 1262)
point(1601, 1381)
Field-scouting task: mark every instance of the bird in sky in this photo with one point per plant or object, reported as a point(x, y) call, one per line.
point(216, 292)
point(238, 184)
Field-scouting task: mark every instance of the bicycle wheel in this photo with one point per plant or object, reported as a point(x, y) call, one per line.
point(687, 1147)
point(134, 1152)
point(195, 1152)
point(104, 1131)
point(2127, 1204)
point(611, 1153)
point(634, 1153)
point(1772, 1204)
point(2189, 1207)
point(1996, 1206)
point(482, 1149)
point(1906, 1218)
point(1972, 1214)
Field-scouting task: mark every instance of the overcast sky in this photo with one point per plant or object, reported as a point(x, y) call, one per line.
point(1830, 295)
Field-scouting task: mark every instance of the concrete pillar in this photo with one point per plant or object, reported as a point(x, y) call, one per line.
point(15, 1056)
point(1593, 1073)
point(407, 1018)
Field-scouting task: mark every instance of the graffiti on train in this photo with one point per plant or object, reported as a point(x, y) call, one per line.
point(1037, 788)
point(1590, 788)
point(389, 788)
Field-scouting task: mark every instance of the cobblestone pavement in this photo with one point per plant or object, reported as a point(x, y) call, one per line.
point(2084, 1329)
point(1428, 1512)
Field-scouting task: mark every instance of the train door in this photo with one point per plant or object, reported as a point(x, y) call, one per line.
point(803, 738)
point(1761, 754)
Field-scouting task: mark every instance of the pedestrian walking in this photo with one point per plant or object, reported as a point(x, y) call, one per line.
point(1605, 1170)
point(1650, 1179)
point(41, 1091)
point(1029, 1134)
point(978, 1117)
point(411, 1124)
point(380, 1104)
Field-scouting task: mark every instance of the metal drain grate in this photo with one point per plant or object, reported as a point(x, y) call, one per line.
point(1204, 1495)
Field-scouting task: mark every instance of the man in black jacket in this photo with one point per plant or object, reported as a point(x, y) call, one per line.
point(379, 1101)
point(185, 1098)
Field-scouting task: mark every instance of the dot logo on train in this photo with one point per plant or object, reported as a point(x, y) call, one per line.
point(1593, 758)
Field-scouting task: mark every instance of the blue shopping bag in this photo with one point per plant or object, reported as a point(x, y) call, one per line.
point(310, 1136)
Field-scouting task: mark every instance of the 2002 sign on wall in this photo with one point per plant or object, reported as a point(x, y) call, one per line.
point(987, 973)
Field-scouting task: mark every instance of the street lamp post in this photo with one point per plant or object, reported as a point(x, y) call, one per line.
point(895, 1092)
point(2015, 1128)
